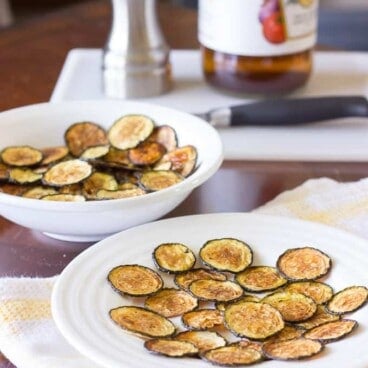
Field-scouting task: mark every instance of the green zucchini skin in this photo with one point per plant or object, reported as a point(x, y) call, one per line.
point(282, 280)
point(142, 333)
point(159, 265)
point(337, 338)
point(224, 268)
point(315, 277)
point(124, 293)
point(301, 357)
point(362, 304)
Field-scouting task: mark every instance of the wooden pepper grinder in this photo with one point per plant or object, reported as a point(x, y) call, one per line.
point(136, 57)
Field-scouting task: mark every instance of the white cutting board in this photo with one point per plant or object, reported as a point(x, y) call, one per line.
point(335, 73)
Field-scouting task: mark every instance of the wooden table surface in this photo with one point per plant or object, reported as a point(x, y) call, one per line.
point(31, 56)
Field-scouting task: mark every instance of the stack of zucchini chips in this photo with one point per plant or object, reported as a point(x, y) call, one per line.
point(295, 319)
point(133, 158)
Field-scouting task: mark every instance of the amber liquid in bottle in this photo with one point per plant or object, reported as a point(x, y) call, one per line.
point(256, 75)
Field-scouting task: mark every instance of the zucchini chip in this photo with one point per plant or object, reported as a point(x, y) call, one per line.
point(203, 340)
point(81, 136)
point(221, 306)
point(293, 307)
point(215, 290)
point(348, 300)
point(295, 349)
point(331, 331)
point(318, 291)
point(249, 344)
point(287, 333)
point(97, 181)
point(319, 318)
point(23, 176)
point(104, 194)
point(127, 186)
point(67, 172)
point(147, 153)
point(4, 173)
point(202, 319)
point(13, 189)
point(255, 321)
point(117, 158)
point(129, 131)
point(52, 155)
point(142, 322)
point(171, 302)
point(75, 189)
point(21, 156)
point(173, 257)
point(183, 280)
point(303, 264)
point(92, 153)
point(135, 280)
point(171, 347)
point(260, 278)
point(226, 254)
point(158, 180)
point(232, 356)
point(162, 166)
point(39, 192)
point(166, 136)
point(183, 160)
point(64, 198)
point(40, 169)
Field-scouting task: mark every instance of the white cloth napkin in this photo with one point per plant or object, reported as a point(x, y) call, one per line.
point(29, 337)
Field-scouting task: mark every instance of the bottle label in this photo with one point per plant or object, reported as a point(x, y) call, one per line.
point(258, 27)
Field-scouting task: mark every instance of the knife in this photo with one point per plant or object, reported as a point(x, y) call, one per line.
point(287, 112)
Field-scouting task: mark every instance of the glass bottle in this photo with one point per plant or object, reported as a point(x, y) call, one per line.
point(257, 46)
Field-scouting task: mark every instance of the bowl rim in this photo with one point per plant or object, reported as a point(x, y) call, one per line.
point(200, 175)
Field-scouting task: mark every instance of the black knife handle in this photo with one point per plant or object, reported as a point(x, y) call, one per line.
point(298, 111)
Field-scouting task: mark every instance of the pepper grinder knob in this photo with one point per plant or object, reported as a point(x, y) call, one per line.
point(136, 57)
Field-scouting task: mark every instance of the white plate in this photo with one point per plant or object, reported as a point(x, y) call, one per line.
point(82, 297)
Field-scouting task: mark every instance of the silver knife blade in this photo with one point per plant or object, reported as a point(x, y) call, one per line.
point(218, 118)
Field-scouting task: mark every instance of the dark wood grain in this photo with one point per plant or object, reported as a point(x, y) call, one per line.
point(31, 56)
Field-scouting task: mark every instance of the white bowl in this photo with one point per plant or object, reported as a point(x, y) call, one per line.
point(44, 125)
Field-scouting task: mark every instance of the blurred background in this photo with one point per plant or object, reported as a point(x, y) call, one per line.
point(342, 24)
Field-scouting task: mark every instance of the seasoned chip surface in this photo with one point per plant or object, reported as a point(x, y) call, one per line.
point(63, 198)
point(171, 302)
point(142, 322)
point(39, 192)
point(256, 321)
point(119, 194)
point(287, 333)
point(318, 291)
point(97, 181)
point(171, 347)
point(293, 307)
point(221, 306)
point(159, 179)
point(215, 290)
point(147, 153)
point(348, 300)
point(95, 152)
point(202, 319)
point(53, 154)
point(232, 355)
point(135, 280)
point(83, 135)
point(183, 280)
point(203, 340)
point(260, 278)
point(173, 257)
point(67, 172)
point(183, 159)
point(319, 318)
point(166, 136)
point(331, 331)
point(302, 264)
point(292, 349)
point(129, 131)
point(21, 156)
point(227, 254)
point(23, 176)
